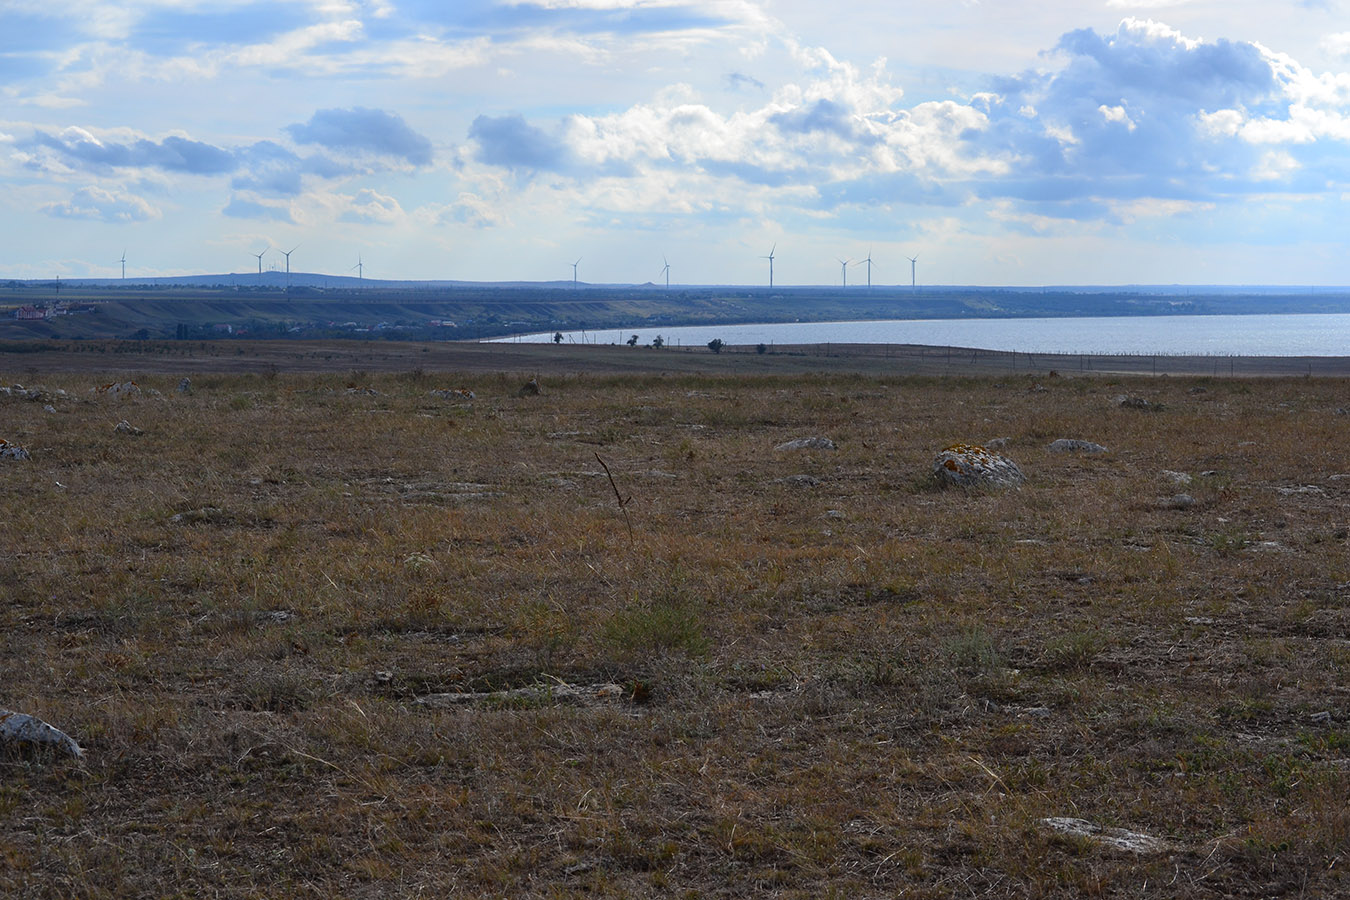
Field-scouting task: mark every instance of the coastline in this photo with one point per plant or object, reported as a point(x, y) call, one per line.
point(19, 360)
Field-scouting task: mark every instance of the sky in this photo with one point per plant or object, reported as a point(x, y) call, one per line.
point(1018, 143)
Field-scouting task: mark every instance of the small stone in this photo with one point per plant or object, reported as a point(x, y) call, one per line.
point(810, 443)
point(9, 450)
point(1126, 401)
point(125, 427)
point(997, 443)
point(530, 389)
point(1321, 718)
point(185, 386)
point(1073, 445)
point(1178, 501)
point(1178, 478)
point(1115, 838)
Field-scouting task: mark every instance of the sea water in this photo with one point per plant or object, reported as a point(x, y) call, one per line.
point(1313, 334)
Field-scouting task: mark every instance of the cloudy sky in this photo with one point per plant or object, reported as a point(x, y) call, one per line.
point(1000, 141)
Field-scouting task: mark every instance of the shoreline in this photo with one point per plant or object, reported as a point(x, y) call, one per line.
point(25, 359)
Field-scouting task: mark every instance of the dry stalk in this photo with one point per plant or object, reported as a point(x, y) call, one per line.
point(622, 500)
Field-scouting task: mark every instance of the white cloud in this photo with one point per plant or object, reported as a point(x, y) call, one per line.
point(104, 205)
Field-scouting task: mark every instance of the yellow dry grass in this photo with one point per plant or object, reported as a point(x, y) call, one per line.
point(839, 680)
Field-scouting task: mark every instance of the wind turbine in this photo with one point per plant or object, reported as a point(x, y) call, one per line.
point(260, 256)
point(360, 268)
point(124, 265)
point(770, 259)
point(287, 254)
point(666, 271)
point(574, 273)
point(843, 268)
point(868, 260)
point(912, 261)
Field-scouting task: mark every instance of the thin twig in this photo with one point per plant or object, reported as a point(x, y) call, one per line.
point(623, 501)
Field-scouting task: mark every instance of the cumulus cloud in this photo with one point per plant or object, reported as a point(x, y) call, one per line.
point(513, 143)
point(1141, 117)
point(372, 207)
point(363, 130)
point(80, 149)
point(245, 207)
point(103, 205)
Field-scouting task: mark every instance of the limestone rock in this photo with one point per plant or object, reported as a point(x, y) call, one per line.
point(535, 694)
point(809, 443)
point(125, 427)
point(453, 394)
point(1073, 445)
point(1115, 838)
point(120, 389)
point(10, 450)
point(23, 729)
point(1127, 401)
point(970, 465)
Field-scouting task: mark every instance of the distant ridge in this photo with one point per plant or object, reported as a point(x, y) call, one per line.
point(277, 280)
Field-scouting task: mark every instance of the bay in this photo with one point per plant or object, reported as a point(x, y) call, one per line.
point(1314, 334)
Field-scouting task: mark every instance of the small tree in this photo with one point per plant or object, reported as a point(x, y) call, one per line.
point(557, 337)
point(632, 341)
point(761, 349)
point(658, 342)
point(716, 345)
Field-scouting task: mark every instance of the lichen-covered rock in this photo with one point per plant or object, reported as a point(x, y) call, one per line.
point(28, 731)
point(121, 389)
point(1126, 401)
point(1074, 445)
point(809, 443)
point(10, 450)
point(970, 465)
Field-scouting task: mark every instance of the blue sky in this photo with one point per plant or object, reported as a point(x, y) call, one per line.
point(1116, 142)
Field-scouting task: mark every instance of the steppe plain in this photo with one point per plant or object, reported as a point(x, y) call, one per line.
point(325, 633)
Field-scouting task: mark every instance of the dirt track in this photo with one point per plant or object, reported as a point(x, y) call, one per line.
point(188, 357)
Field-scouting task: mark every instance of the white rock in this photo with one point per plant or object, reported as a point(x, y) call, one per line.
point(1074, 445)
point(811, 443)
point(970, 465)
point(1116, 838)
point(21, 728)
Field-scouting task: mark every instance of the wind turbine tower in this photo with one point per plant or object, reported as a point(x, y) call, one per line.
point(666, 271)
point(770, 259)
point(287, 254)
point(124, 265)
point(360, 268)
point(868, 260)
point(574, 273)
point(843, 269)
point(912, 261)
point(260, 256)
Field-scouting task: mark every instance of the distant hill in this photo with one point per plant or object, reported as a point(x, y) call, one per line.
point(233, 305)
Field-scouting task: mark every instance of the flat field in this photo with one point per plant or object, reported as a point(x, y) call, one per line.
point(332, 635)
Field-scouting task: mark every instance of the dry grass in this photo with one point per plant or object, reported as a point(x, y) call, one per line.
point(849, 685)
